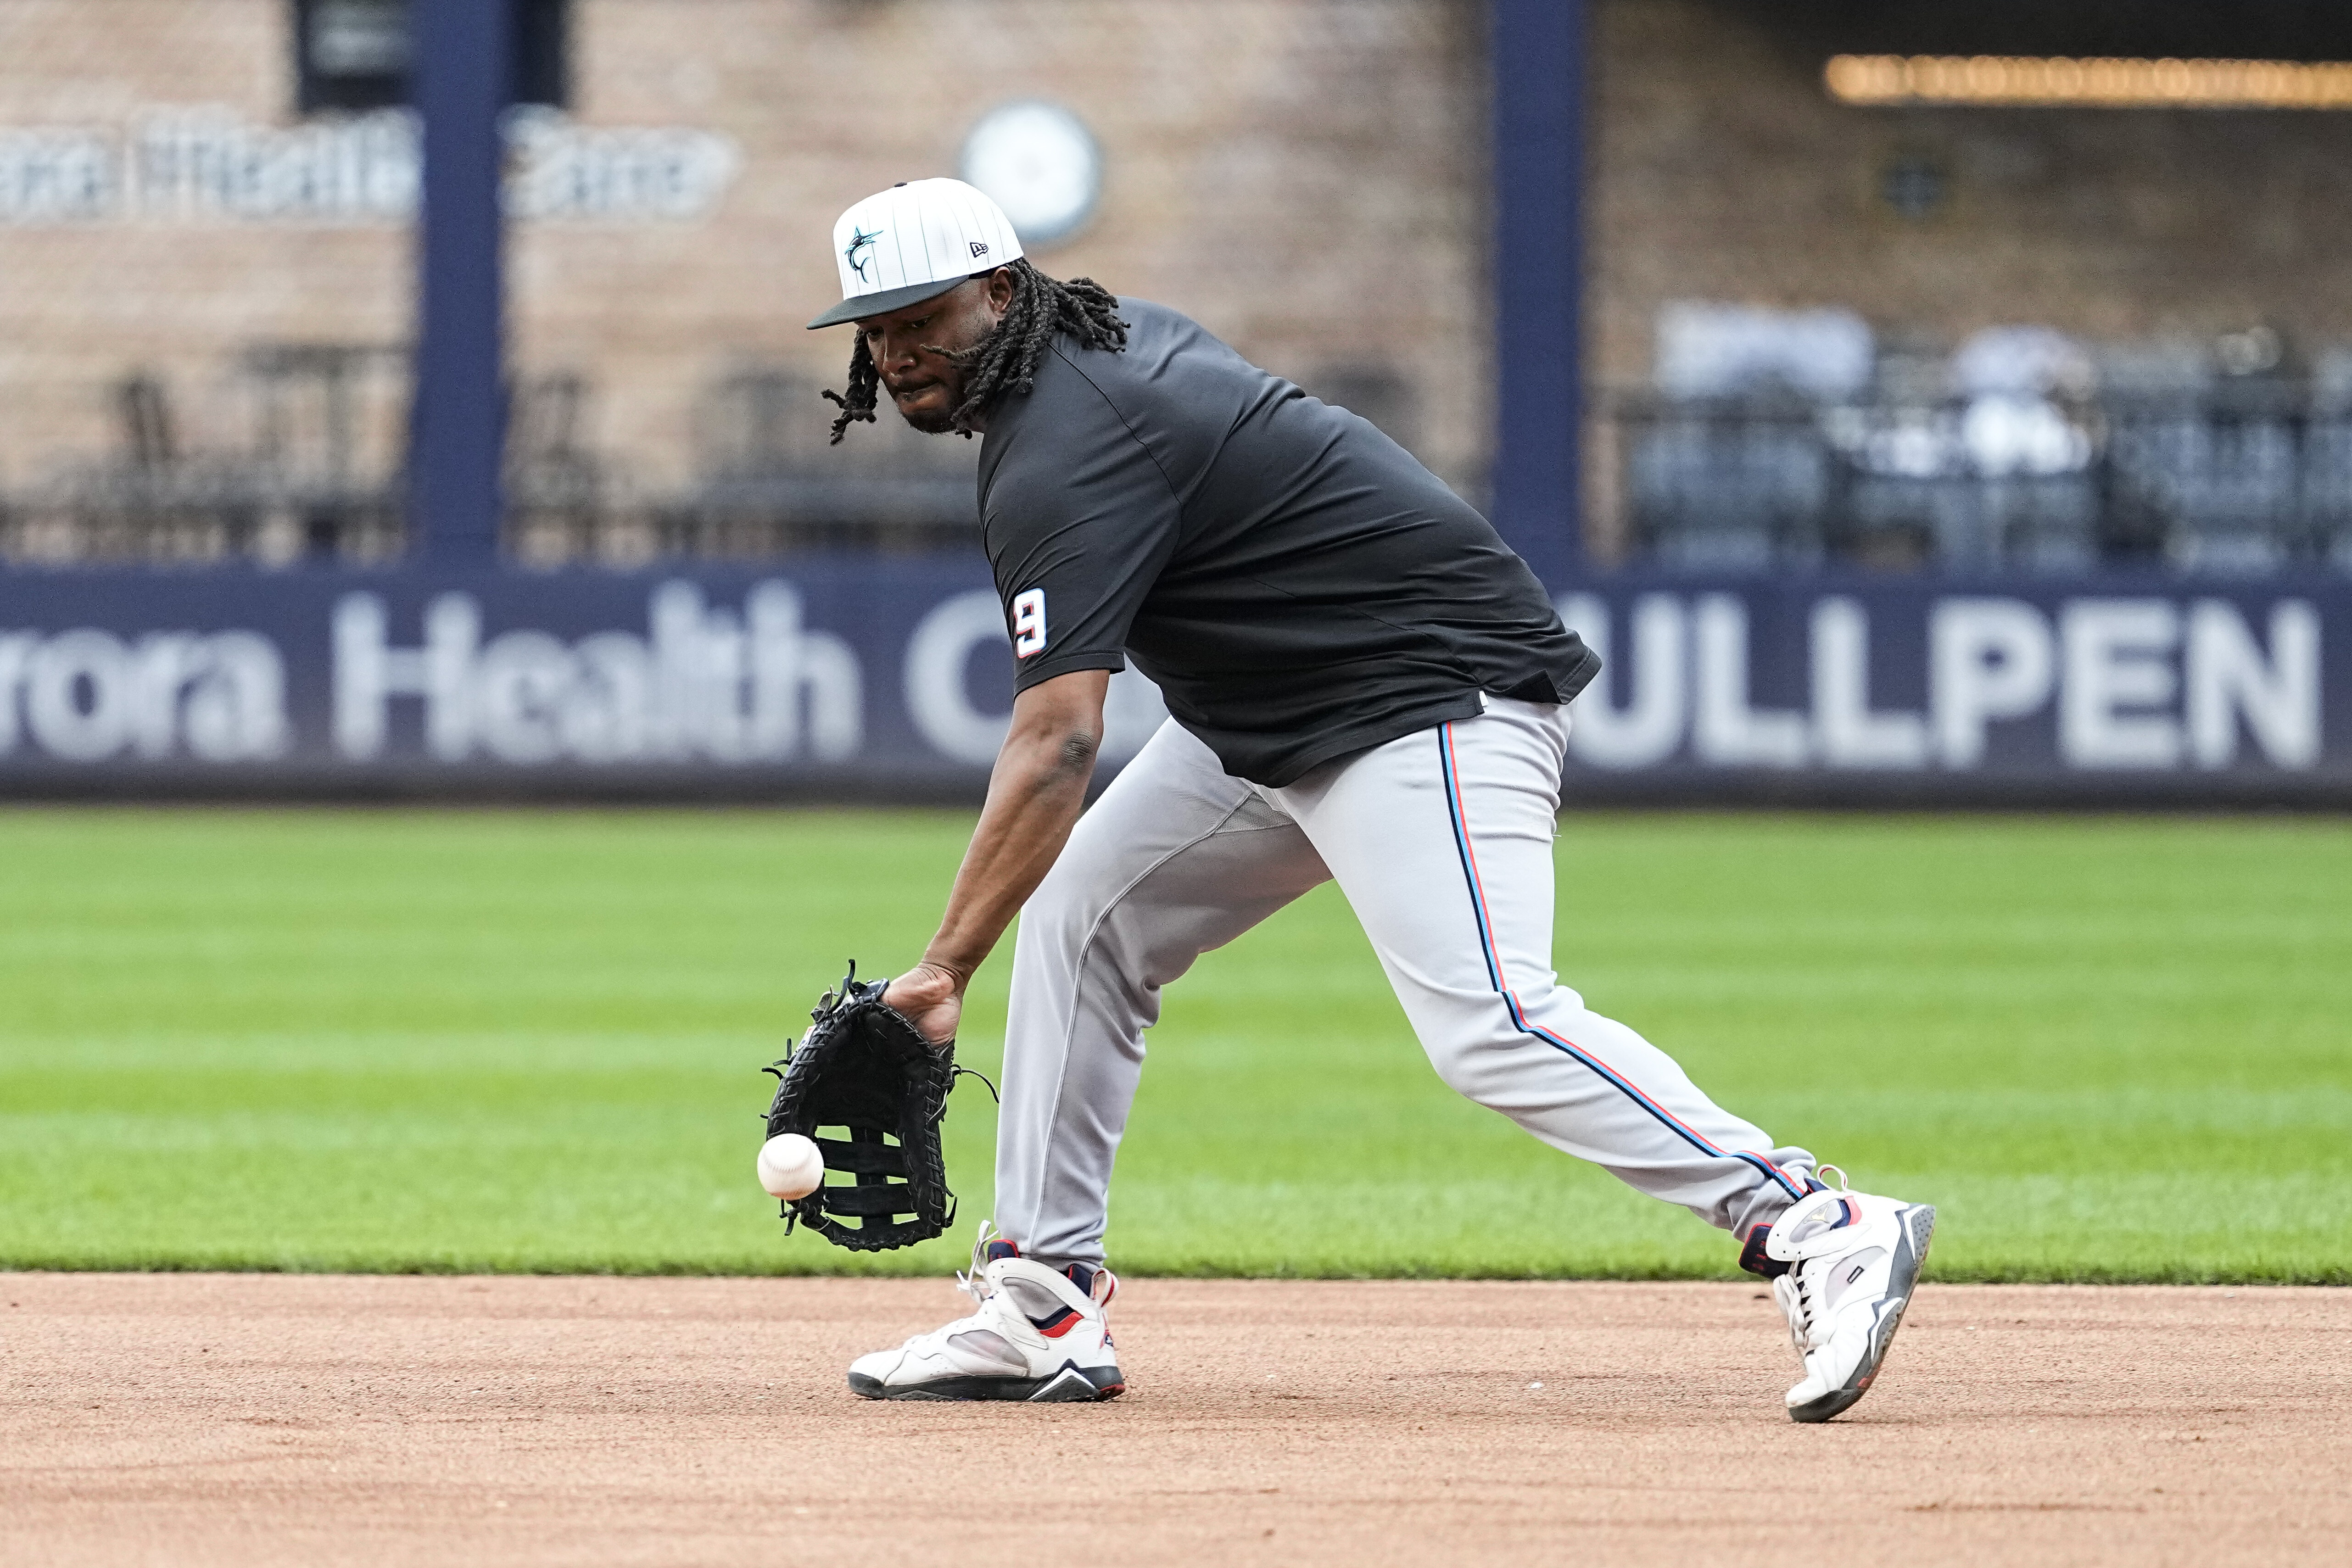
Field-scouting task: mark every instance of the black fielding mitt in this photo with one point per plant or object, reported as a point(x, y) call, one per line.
point(863, 1069)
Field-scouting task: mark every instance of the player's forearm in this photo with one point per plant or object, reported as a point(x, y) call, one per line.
point(1034, 796)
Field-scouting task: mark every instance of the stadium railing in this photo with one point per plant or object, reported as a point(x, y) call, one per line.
point(2235, 480)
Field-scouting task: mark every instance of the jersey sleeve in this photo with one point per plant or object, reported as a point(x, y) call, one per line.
point(1079, 528)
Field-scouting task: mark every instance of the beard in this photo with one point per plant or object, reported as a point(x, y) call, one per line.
point(934, 418)
point(932, 422)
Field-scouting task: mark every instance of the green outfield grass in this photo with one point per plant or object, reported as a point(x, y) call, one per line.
point(2109, 1049)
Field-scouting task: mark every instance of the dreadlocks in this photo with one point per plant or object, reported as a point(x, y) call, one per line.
point(1007, 359)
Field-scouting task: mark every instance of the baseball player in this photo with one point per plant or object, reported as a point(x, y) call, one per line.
point(1365, 685)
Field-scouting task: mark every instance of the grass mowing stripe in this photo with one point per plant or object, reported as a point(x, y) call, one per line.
point(2108, 1047)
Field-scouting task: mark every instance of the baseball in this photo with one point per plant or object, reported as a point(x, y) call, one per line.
point(790, 1166)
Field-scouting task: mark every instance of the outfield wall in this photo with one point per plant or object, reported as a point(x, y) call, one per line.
point(863, 679)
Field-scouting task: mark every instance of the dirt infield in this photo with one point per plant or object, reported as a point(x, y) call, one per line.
point(258, 1420)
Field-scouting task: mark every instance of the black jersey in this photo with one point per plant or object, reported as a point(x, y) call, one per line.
point(1300, 587)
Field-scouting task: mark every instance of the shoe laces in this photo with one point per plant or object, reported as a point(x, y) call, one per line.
point(974, 1281)
point(1804, 1303)
point(1799, 1308)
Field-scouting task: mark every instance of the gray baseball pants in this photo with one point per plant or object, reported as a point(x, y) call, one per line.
point(1442, 841)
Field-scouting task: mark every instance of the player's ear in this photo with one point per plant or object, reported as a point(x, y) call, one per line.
point(1001, 289)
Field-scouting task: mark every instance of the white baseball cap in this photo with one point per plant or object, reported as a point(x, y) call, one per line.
point(918, 239)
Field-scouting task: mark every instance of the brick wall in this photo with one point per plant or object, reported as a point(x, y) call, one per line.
point(83, 304)
point(1302, 175)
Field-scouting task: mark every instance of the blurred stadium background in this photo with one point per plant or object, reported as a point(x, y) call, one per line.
point(1916, 404)
point(1923, 406)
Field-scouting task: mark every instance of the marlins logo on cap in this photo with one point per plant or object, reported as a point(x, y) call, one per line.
point(912, 242)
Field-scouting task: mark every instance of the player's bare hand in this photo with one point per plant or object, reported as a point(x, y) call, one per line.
point(932, 998)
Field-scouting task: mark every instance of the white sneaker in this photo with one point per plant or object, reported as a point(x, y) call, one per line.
point(1844, 1265)
point(1040, 1335)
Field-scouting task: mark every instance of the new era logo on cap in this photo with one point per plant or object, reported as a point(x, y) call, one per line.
point(905, 244)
